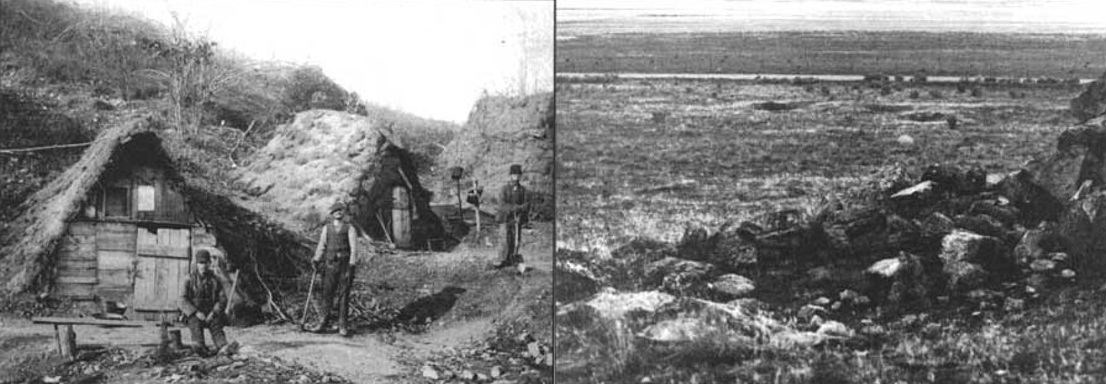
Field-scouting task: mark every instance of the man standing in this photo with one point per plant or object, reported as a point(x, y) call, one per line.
point(337, 244)
point(512, 212)
point(202, 304)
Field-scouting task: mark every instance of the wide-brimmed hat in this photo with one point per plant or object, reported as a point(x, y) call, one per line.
point(516, 169)
point(203, 256)
point(337, 206)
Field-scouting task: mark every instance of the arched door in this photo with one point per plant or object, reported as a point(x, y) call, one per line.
point(401, 217)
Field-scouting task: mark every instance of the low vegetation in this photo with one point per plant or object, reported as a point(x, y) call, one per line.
point(717, 158)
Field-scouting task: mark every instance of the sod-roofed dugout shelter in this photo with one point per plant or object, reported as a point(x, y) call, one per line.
point(323, 157)
point(124, 223)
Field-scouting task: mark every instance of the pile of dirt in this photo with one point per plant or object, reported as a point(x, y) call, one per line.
point(502, 131)
point(327, 156)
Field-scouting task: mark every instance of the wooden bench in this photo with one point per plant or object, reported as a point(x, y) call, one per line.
point(67, 341)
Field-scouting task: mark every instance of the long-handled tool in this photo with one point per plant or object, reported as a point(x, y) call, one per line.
point(518, 240)
point(233, 291)
point(306, 304)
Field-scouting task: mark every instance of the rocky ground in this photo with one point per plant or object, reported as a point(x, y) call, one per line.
point(932, 274)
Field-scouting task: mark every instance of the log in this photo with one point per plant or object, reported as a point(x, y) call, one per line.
point(89, 321)
point(67, 343)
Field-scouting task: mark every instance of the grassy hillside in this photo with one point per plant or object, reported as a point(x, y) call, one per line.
point(67, 71)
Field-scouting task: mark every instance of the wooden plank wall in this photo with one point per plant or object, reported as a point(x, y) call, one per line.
point(76, 273)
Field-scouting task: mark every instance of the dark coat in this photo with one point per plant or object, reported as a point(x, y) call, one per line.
point(203, 293)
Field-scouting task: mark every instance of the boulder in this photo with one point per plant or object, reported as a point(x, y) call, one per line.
point(809, 311)
point(1042, 265)
point(611, 304)
point(919, 192)
point(900, 280)
point(985, 251)
point(731, 286)
point(981, 224)
point(679, 276)
point(688, 319)
point(1032, 244)
point(835, 328)
point(573, 279)
point(888, 268)
point(964, 276)
point(1033, 201)
point(725, 248)
point(999, 209)
point(1082, 229)
point(937, 225)
point(1059, 172)
point(1091, 102)
point(687, 329)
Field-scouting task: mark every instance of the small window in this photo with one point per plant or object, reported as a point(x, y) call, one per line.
point(145, 197)
point(116, 202)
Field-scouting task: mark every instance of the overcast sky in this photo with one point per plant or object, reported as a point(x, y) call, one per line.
point(1018, 16)
point(430, 58)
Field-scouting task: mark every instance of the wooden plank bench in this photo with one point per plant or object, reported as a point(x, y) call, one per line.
point(67, 343)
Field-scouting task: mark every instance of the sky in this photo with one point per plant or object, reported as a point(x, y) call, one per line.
point(430, 58)
point(577, 17)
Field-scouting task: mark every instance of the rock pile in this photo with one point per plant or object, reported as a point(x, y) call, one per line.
point(950, 233)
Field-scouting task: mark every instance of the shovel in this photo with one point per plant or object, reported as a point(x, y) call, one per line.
point(306, 304)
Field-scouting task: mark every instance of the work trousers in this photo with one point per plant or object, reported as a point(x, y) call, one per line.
point(508, 249)
point(214, 326)
point(337, 278)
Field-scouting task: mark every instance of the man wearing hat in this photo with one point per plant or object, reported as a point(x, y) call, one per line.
point(512, 211)
point(337, 243)
point(202, 304)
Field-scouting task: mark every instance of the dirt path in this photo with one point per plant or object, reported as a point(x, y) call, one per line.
point(365, 356)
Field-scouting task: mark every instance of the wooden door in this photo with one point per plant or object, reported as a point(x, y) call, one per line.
point(164, 256)
point(115, 245)
point(401, 217)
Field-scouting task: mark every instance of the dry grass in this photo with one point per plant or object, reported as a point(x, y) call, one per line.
point(734, 162)
point(716, 159)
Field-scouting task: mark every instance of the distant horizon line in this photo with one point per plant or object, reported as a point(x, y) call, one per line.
point(838, 31)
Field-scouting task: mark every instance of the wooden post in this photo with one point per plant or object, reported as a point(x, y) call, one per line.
point(476, 187)
point(460, 208)
point(67, 342)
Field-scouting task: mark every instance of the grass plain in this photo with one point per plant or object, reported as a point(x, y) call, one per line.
point(837, 52)
point(647, 158)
